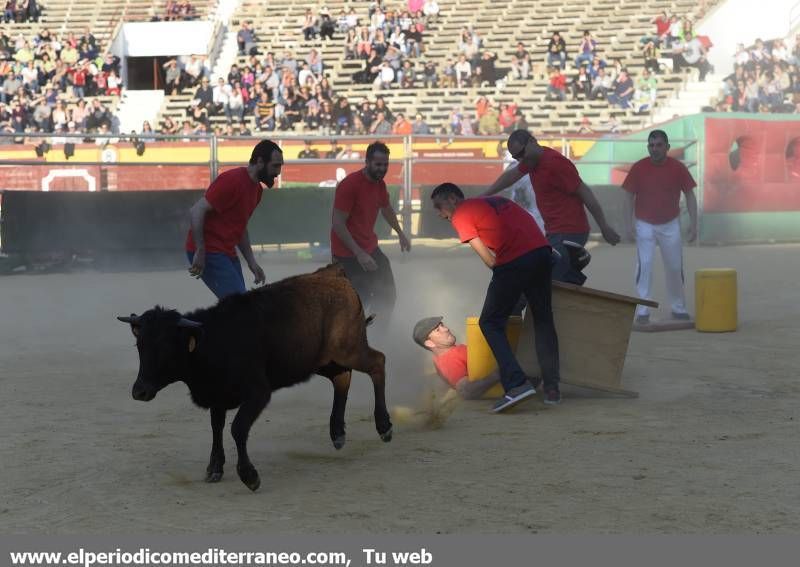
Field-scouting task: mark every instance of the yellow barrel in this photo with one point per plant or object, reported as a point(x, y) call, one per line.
point(480, 360)
point(715, 300)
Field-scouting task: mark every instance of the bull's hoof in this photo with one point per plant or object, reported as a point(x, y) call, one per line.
point(387, 436)
point(338, 442)
point(250, 478)
point(213, 476)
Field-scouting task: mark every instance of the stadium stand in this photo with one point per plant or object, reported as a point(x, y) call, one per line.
point(617, 26)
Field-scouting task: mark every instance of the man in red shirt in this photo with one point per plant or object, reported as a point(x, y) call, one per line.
point(509, 242)
point(219, 222)
point(560, 196)
point(654, 186)
point(450, 359)
point(359, 198)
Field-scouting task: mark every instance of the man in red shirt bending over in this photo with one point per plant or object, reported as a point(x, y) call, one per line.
point(509, 242)
point(219, 222)
point(354, 244)
point(561, 196)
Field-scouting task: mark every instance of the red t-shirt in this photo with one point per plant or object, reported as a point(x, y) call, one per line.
point(555, 182)
point(662, 25)
point(658, 187)
point(507, 229)
point(451, 365)
point(361, 199)
point(233, 197)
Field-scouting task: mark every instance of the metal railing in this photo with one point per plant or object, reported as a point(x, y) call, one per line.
point(416, 169)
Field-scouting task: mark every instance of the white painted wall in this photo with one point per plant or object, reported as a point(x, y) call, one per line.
point(149, 39)
point(742, 21)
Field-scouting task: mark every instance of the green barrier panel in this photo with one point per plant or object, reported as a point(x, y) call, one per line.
point(302, 214)
point(34, 222)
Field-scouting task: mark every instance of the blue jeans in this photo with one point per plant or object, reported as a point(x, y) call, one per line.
point(222, 274)
point(530, 275)
point(563, 270)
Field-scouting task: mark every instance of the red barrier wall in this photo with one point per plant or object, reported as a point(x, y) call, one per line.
point(751, 166)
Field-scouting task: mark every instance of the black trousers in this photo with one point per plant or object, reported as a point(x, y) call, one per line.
point(528, 275)
point(375, 289)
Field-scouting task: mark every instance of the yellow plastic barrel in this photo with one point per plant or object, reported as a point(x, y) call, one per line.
point(715, 300)
point(480, 360)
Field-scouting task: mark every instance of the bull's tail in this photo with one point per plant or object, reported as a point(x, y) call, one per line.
point(368, 321)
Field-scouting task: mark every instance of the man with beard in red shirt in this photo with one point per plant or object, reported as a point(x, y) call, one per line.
point(219, 222)
point(359, 198)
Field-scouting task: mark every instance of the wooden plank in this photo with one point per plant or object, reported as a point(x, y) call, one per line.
point(593, 329)
point(606, 294)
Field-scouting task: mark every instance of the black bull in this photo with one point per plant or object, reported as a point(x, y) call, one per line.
point(236, 353)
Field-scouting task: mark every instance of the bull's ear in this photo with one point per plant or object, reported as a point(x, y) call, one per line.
point(192, 343)
point(133, 320)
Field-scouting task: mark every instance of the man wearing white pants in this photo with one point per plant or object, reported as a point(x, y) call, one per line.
point(654, 186)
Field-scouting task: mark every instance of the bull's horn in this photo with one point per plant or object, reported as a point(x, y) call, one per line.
point(184, 322)
point(133, 319)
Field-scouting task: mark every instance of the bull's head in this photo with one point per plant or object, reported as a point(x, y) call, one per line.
point(164, 340)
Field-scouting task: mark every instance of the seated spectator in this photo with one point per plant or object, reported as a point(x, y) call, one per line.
point(622, 91)
point(381, 126)
point(420, 127)
point(557, 87)
point(365, 117)
point(327, 26)
point(342, 116)
point(586, 49)
point(779, 52)
point(246, 39)
point(308, 25)
point(402, 127)
point(431, 11)
point(385, 76)
point(463, 71)
point(662, 37)
point(650, 54)
point(430, 78)
point(448, 76)
point(489, 123)
point(113, 84)
point(795, 57)
point(557, 51)
point(173, 83)
point(351, 44)
point(581, 84)
point(341, 22)
point(486, 65)
point(644, 97)
point(408, 76)
point(315, 64)
point(186, 11)
point(507, 117)
point(308, 152)
point(520, 68)
point(691, 53)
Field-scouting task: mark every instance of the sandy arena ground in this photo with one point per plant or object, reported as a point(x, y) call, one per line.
point(711, 446)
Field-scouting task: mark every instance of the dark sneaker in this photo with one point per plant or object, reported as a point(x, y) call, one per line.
point(535, 381)
point(579, 256)
point(642, 319)
point(681, 316)
point(552, 396)
point(513, 397)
